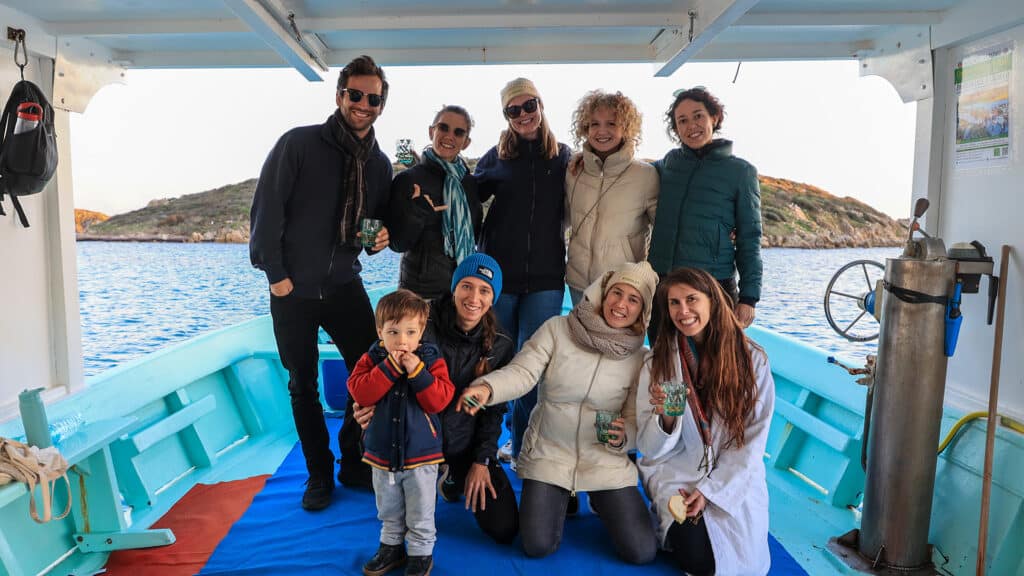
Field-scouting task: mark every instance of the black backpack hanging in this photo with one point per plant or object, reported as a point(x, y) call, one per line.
point(28, 148)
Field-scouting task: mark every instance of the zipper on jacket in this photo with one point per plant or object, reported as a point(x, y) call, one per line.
point(689, 181)
point(579, 422)
point(533, 205)
point(330, 268)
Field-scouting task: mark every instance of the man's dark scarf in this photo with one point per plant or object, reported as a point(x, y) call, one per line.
point(353, 187)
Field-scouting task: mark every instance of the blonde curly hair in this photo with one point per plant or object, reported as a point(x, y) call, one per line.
point(626, 114)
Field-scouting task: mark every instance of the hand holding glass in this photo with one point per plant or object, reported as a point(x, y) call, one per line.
point(675, 398)
point(369, 229)
point(603, 423)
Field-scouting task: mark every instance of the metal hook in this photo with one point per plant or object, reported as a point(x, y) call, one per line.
point(693, 17)
point(18, 35)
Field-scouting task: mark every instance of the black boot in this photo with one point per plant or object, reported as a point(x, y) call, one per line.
point(387, 558)
point(419, 565)
point(318, 493)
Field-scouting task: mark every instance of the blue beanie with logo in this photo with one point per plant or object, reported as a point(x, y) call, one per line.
point(482, 266)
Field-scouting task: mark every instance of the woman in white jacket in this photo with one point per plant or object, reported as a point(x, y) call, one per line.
point(589, 361)
point(711, 455)
point(610, 197)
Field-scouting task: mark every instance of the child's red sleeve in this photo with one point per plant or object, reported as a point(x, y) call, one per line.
point(369, 382)
point(434, 389)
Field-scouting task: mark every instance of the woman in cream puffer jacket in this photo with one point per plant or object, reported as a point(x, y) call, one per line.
point(589, 361)
point(610, 198)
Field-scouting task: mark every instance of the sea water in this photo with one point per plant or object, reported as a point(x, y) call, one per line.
point(139, 297)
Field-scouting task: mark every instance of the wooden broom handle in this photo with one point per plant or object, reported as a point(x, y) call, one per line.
point(993, 404)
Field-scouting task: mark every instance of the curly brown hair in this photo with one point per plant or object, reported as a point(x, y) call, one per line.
point(626, 114)
point(728, 385)
point(697, 94)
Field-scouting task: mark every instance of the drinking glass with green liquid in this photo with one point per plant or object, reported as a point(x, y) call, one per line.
point(603, 422)
point(675, 398)
point(369, 229)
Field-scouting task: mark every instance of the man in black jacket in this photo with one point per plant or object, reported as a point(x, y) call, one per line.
point(317, 185)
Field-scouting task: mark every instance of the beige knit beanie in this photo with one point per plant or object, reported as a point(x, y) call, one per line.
point(639, 275)
point(518, 87)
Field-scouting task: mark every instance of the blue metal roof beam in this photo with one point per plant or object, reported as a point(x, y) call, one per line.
point(707, 19)
point(268, 26)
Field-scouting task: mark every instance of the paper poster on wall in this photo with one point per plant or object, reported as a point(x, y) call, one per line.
point(982, 86)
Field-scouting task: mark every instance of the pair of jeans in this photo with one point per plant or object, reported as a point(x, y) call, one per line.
point(500, 519)
point(521, 315)
point(622, 511)
point(406, 500)
point(348, 319)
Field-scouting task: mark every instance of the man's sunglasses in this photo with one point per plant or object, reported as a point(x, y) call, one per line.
point(444, 127)
point(530, 106)
point(354, 95)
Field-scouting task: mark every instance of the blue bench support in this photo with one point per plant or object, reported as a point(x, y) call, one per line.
point(181, 420)
point(247, 412)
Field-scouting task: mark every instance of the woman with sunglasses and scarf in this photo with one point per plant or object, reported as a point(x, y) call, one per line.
point(435, 212)
point(709, 205)
point(525, 174)
point(610, 197)
point(712, 454)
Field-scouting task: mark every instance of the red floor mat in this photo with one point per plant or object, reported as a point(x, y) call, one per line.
point(200, 520)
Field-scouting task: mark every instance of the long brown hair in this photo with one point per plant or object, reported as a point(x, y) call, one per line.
point(726, 373)
point(488, 332)
point(508, 142)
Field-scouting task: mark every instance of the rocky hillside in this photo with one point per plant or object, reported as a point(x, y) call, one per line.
point(86, 218)
point(219, 215)
point(794, 215)
point(804, 216)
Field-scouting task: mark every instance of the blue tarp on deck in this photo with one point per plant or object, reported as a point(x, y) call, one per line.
point(276, 536)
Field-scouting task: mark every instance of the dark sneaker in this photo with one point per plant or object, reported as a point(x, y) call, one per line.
point(419, 565)
point(318, 493)
point(387, 558)
point(447, 487)
point(574, 505)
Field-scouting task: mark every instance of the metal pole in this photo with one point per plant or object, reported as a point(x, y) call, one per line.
point(993, 403)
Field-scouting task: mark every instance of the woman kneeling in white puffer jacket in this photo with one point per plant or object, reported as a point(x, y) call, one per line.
point(589, 361)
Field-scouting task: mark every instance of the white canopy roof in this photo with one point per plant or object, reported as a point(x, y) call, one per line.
point(311, 35)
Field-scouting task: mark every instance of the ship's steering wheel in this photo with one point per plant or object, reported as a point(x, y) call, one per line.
point(846, 298)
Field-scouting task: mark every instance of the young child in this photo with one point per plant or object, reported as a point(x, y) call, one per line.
point(408, 383)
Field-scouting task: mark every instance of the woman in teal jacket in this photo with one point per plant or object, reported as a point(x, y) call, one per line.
point(709, 207)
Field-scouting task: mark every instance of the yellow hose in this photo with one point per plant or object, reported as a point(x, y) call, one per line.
point(1004, 420)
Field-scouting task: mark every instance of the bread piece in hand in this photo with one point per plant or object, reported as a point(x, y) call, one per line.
point(677, 507)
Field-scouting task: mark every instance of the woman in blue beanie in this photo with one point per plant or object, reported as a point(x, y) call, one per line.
point(463, 325)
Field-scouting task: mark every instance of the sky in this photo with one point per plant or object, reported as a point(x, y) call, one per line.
point(166, 133)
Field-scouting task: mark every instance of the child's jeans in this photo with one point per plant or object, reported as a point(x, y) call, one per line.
point(405, 507)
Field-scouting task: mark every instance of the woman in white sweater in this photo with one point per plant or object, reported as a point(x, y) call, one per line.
point(610, 197)
point(713, 454)
point(589, 361)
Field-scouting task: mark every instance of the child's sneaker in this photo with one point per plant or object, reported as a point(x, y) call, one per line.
point(419, 565)
point(505, 452)
point(446, 485)
point(387, 558)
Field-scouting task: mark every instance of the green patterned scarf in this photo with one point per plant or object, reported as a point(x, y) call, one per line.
point(457, 221)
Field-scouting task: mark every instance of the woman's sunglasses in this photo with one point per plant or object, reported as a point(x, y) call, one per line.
point(354, 95)
point(530, 106)
point(443, 127)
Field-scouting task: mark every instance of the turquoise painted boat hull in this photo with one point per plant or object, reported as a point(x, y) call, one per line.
point(216, 408)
